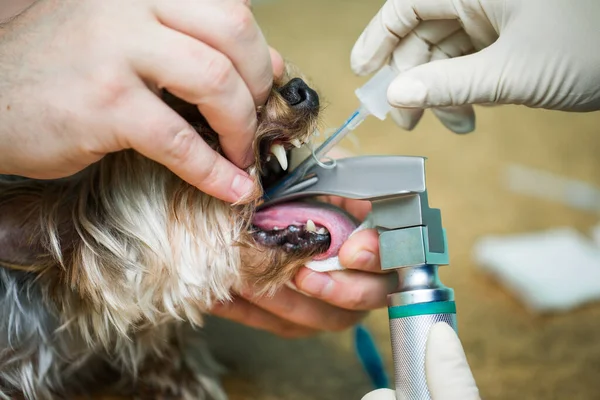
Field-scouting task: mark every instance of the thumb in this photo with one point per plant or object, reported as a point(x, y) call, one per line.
point(470, 79)
point(448, 374)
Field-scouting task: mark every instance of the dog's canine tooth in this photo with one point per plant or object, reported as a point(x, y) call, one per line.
point(297, 144)
point(310, 226)
point(322, 231)
point(279, 152)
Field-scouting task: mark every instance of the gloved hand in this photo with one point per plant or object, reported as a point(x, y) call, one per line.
point(450, 54)
point(448, 374)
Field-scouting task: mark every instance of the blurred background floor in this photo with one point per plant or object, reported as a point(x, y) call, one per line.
point(514, 354)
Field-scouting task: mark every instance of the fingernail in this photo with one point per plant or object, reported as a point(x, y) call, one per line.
point(316, 283)
point(242, 186)
point(363, 260)
point(407, 92)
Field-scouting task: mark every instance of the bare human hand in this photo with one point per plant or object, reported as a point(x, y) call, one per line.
point(80, 78)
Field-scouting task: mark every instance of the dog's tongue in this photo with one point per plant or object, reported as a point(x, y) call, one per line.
point(336, 221)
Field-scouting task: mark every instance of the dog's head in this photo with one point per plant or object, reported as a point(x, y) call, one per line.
point(132, 240)
point(282, 238)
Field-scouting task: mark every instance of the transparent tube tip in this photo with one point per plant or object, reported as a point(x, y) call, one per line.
point(373, 94)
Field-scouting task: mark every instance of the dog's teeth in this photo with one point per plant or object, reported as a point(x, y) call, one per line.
point(276, 228)
point(322, 231)
point(279, 152)
point(268, 158)
point(310, 226)
point(297, 144)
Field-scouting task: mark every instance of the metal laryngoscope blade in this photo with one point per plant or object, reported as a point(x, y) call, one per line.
point(412, 242)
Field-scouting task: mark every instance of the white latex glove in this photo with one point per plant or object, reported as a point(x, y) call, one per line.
point(453, 53)
point(448, 374)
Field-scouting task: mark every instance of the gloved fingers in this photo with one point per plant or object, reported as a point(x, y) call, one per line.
point(448, 373)
point(406, 118)
point(457, 44)
point(416, 49)
point(459, 119)
point(409, 53)
point(471, 79)
point(418, 46)
point(395, 20)
point(380, 394)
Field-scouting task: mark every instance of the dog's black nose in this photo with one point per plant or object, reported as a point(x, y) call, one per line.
point(297, 93)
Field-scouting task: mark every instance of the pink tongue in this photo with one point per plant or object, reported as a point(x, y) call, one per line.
point(339, 225)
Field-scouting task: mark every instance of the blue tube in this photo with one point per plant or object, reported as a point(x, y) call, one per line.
point(370, 358)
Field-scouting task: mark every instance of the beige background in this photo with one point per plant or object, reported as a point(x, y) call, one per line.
point(514, 354)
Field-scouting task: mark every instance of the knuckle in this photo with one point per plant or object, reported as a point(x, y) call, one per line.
point(181, 144)
point(219, 71)
point(242, 21)
point(109, 85)
point(208, 175)
point(357, 299)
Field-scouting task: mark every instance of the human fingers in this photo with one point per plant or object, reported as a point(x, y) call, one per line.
point(361, 252)
point(302, 310)
point(156, 131)
point(243, 312)
point(200, 75)
point(350, 290)
point(229, 27)
point(277, 62)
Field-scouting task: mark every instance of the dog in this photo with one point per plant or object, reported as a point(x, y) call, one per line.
point(105, 275)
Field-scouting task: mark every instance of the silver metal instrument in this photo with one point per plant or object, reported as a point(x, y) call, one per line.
point(412, 242)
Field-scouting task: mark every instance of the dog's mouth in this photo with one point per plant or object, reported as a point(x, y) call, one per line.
point(314, 229)
point(308, 228)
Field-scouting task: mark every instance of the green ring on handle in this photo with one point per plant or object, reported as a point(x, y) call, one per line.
point(412, 310)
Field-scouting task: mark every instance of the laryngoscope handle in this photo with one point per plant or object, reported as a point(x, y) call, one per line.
point(412, 313)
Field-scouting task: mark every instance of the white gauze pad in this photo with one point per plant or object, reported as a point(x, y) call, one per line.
point(553, 270)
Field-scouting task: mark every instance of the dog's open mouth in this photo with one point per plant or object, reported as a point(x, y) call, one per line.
point(306, 228)
point(313, 228)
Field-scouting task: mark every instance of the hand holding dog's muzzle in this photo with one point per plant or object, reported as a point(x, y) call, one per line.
point(80, 80)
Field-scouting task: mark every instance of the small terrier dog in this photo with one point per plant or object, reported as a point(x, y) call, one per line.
point(105, 275)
